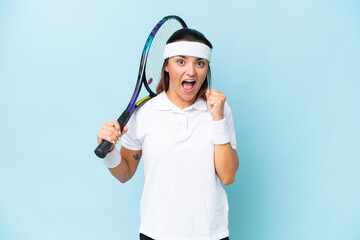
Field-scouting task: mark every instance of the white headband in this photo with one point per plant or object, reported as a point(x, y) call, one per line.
point(186, 48)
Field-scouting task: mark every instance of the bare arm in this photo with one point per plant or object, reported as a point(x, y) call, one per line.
point(129, 163)
point(129, 158)
point(226, 163)
point(225, 157)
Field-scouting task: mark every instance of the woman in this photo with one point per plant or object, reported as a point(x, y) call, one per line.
point(186, 139)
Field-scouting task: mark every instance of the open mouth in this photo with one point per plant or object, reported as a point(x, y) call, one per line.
point(188, 85)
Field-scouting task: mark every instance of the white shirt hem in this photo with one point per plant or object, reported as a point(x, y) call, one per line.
point(165, 237)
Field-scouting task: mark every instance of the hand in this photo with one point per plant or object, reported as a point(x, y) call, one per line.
point(110, 132)
point(215, 104)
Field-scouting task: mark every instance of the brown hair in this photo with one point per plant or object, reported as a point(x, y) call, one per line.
point(192, 35)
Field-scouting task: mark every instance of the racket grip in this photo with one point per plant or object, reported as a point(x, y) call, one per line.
point(103, 148)
point(123, 119)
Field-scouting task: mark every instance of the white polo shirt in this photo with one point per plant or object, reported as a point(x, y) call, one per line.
point(182, 196)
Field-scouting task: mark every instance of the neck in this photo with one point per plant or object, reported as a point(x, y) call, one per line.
point(180, 103)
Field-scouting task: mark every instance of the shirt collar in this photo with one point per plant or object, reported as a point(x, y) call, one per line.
point(164, 103)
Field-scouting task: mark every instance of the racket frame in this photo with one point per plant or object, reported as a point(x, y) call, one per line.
point(103, 148)
point(132, 106)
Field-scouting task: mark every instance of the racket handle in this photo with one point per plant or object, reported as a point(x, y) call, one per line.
point(123, 119)
point(102, 150)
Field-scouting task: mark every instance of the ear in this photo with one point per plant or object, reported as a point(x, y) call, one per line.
point(166, 67)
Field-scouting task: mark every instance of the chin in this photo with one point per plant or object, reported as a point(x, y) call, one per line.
point(189, 98)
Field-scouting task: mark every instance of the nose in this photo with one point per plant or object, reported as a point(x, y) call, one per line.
point(190, 70)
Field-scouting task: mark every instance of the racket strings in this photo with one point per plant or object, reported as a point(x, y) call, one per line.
point(156, 52)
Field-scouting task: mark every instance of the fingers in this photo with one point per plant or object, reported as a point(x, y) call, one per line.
point(125, 129)
point(213, 92)
point(114, 124)
point(215, 97)
point(215, 102)
point(110, 132)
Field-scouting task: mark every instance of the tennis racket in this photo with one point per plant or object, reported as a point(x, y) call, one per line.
point(149, 71)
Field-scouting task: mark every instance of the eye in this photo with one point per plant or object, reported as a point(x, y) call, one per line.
point(201, 63)
point(180, 61)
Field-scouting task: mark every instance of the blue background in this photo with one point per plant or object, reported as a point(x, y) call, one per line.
point(290, 69)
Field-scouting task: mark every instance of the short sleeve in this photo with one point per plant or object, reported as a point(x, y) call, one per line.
point(130, 139)
point(230, 124)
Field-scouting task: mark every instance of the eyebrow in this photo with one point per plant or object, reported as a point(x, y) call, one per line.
point(182, 56)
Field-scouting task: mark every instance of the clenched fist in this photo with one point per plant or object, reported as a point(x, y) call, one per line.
point(110, 132)
point(215, 103)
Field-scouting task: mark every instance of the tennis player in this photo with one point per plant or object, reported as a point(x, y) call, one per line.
point(186, 138)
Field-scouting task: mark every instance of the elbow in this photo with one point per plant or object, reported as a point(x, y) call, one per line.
point(228, 180)
point(123, 180)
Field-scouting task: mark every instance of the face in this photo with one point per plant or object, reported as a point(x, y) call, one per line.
point(187, 74)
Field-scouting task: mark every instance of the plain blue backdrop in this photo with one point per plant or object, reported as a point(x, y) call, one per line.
point(290, 69)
